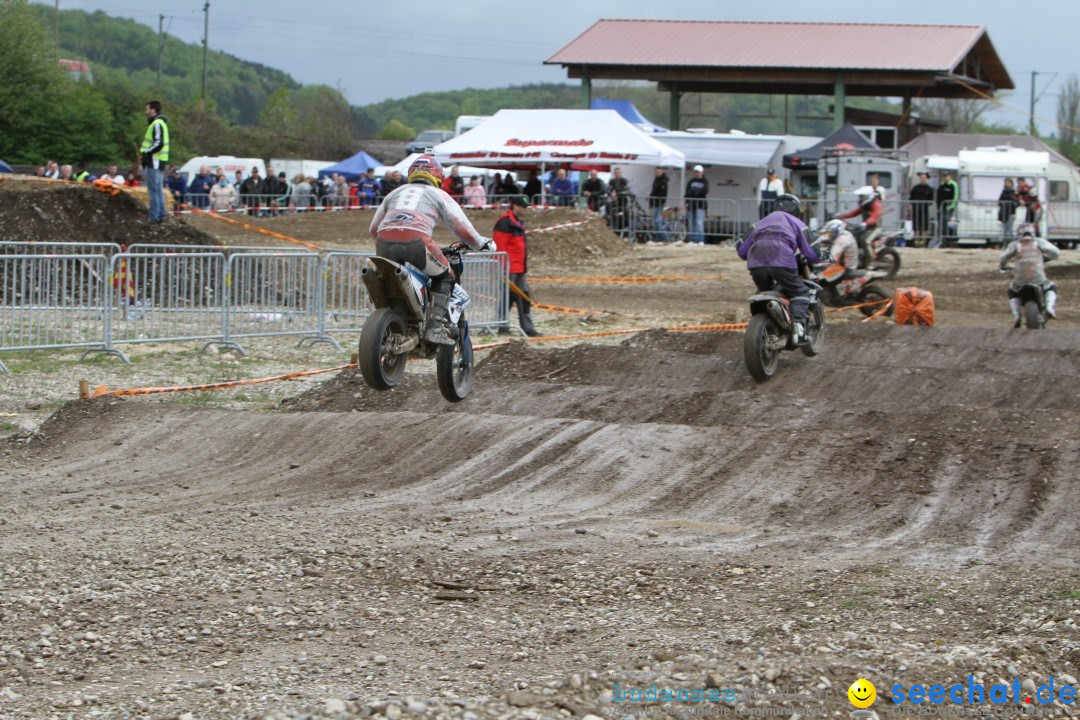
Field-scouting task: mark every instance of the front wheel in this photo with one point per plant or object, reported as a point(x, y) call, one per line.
point(454, 367)
point(888, 262)
point(1033, 317)
point(762, 335)
point(874, 294)
point(815, 330)
point(382, 369)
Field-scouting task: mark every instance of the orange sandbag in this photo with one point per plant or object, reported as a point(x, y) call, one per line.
point(914, 307)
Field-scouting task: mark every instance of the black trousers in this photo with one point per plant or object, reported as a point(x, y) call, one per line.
point(790, 284)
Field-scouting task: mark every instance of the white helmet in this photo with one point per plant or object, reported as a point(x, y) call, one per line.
point(832, 228)
point(866, 194)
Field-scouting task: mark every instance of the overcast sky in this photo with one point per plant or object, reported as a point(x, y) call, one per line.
point(378, 49)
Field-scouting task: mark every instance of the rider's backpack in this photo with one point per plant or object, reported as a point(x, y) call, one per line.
point(914, 307)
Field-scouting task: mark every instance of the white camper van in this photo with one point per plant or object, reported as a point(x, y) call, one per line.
point(293, 167)
point(465, 123)
point(227, 164)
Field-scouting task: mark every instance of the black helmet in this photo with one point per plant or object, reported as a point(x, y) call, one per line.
point(788, 203)
point(520, 200)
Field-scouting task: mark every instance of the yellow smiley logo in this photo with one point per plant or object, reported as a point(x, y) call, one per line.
point(862, 693)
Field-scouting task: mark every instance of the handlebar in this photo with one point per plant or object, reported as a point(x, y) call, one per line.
point(459, 248)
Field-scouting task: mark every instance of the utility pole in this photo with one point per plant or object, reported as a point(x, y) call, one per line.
point(1031, 112)
point(160, 48)
point(56, 27)
point(205, 40)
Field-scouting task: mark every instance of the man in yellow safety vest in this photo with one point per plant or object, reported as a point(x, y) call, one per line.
point(154, 155)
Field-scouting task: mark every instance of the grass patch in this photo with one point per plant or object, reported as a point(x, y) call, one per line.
point(205, 398)
point(7, 427)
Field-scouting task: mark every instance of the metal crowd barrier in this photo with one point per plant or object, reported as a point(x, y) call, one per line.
point(32, 247)
point(52, 301)
point(186, 293)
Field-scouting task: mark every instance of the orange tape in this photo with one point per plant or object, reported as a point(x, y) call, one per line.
point(606, 333)
point(249, 226)
point(102, 390)
point(880, 312)
point(554, 308)
point(860, 305)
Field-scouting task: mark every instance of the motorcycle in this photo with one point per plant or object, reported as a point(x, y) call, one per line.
point(877, 249)
point(1032, 306)
point(841, 288)
point(771, 330)
point(395, 331)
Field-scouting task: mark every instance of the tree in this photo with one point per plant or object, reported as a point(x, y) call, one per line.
point(396, 130)
point(1068, 117)
point(32, 78)
point(959, 115)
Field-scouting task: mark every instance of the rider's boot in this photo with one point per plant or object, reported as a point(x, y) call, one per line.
point(1014, 304)
point(800, 333)
point(1051, 300)
point(525, 318)
point(437, 320)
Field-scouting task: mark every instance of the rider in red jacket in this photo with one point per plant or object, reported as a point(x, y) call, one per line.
point(871, 210)
point(509, 236)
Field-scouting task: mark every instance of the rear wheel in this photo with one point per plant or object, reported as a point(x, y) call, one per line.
point(874, 294)
point(1033, 317)
point(454, 366)
point(762, 334)
point(888, 262)
point(381, 368)
point(815, 331)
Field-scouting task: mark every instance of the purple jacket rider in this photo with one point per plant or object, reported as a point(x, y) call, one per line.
point(773, 242)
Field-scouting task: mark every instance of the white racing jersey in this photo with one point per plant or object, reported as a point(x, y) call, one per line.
point(1029, 260)
point(417, 208)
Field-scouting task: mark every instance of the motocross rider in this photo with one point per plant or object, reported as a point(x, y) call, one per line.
point(402, 229)
point(870, 208)
point(771, 251)
point(1030, 252)
point(842, 245)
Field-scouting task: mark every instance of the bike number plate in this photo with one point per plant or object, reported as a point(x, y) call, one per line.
point(459, 299)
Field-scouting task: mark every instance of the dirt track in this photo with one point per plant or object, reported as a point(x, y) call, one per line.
point(902, 507)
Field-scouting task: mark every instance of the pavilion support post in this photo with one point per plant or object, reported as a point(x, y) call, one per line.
point(673, 107)
point(586, 92)
point(839, 100)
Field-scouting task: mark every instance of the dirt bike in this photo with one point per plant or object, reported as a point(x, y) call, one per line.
point(771, 331)
point(395, 331)
point(841, 288)
point(1032, 306)
point(876, 249)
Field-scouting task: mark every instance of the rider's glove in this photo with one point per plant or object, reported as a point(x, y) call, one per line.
point(862, 226)
point(491, 246)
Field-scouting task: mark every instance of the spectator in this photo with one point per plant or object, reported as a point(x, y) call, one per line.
point(922, 196)
point(561, 190)
point(132, 179)
point(474, 193)
point(222, 195)
point(875, 182)
point(354, 194)
point(770, 188)
point(1007, 202)
point(494, 187)
point(946, 199)
point(66, 173)
point(619, 195)
point(239, 179)
point(369, 188)
point(81, 173)
point(40, 172)
point(1029, 197)
point(302, 195)
point(340, 190)
point(594, 190)
point(52, 170)
point(392, 183)
point(154, 153)
point(657, 200)
point(114, 175)
point(199, 188)
point(509, 236)
point(273, 185)
point(697, 189)
point(533, 187)
point(251, 190)
point(454, 185)
point(177, 186)
point(509, 188)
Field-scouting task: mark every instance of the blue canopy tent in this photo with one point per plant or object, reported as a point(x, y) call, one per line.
point(351, 168)
point(628, 110)
point(5, 168)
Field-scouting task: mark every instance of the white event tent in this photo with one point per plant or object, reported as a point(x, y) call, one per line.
point(583, 139)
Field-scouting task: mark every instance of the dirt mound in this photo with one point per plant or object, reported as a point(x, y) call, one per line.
point(60, 212)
